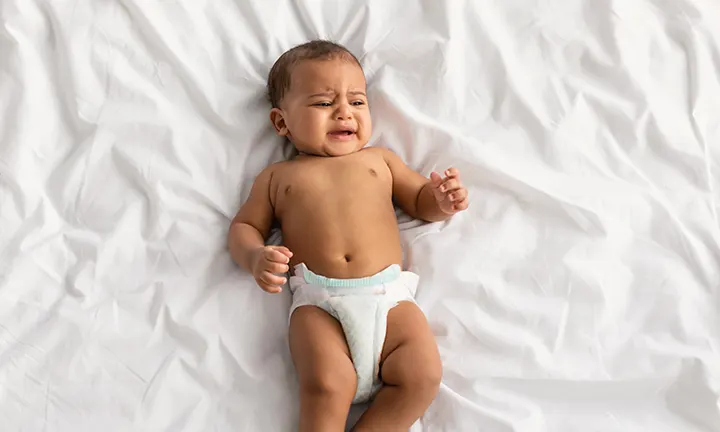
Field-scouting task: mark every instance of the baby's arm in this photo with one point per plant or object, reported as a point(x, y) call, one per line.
point(248, 231)
point(434, 199)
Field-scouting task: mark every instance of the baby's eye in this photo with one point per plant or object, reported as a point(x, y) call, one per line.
point(358, 103)
point(322, 104)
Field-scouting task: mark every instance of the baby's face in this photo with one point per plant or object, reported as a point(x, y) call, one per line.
point(325, 113)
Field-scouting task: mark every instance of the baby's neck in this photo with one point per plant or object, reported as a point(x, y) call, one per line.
point(302, 155)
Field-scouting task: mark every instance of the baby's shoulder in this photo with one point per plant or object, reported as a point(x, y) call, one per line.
point(277, 168)
point(283, 168)
point(383, 153)
point(268, 177)
point(376, 154)
point(375, 151)
point(281, 173)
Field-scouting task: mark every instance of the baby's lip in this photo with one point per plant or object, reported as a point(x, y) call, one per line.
point(341, 135)
point(339, 130)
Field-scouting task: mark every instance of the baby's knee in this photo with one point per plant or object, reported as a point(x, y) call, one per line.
point(333, 383)
point(424, 378)
point(429, 378)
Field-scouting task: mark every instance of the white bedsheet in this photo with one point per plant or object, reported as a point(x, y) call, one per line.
point(580, 291)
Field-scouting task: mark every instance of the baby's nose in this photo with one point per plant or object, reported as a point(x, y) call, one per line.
point(343, 112)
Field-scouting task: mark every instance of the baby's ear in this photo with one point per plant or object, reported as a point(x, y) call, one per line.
point(278, 121)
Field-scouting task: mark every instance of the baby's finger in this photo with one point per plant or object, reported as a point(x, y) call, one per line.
point(275, 255)
point(273, 289)
point(462, 205)
point(450, 185)
point(435, 178)
point(271, 279)
point(458, 195)
point(452, 173)
point(274, 267)
point(283, 250)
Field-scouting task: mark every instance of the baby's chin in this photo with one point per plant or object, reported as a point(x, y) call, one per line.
point(345, 148)
point(332, 148)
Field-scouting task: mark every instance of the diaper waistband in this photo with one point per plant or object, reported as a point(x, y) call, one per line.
point(387, 275)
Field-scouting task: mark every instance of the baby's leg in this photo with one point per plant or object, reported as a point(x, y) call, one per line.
point(411, 371)
point(326, 374)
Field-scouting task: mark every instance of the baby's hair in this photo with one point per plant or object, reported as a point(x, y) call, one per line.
point(279, 77)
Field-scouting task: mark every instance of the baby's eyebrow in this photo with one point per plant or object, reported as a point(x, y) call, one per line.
point(332, 93)
point(327, 94)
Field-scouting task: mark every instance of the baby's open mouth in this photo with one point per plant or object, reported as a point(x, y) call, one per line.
point(340, 133)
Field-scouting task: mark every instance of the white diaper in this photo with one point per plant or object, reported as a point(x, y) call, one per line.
point(361, 306)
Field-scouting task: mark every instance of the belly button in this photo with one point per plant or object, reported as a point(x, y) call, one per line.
point(347, 258)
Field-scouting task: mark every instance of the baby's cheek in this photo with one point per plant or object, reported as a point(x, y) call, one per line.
point(367, 124)
point(315, 126)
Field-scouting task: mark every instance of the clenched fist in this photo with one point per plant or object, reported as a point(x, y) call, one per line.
point(267, 262)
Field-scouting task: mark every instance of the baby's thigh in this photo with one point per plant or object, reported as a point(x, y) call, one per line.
point(320, 352)
point(410, 351)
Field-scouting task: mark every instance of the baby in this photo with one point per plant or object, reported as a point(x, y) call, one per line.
point(355, 333)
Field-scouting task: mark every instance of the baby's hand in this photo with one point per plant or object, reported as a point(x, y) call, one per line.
point(268, 260)
point(450, 194)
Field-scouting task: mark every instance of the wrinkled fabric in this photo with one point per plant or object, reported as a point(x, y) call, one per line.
point(578, 292)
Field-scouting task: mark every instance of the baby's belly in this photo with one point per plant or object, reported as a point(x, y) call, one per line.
point(345, 248)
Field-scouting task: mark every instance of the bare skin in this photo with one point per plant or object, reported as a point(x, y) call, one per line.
point(334, 203)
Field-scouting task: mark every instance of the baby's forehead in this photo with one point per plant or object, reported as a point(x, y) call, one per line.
point(323, 75)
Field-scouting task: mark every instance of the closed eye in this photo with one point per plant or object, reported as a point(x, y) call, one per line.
point(322, 104)
point(358, 103)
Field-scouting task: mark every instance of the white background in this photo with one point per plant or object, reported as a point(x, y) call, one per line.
point(580, 291)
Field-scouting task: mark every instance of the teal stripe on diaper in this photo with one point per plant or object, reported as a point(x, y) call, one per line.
point(388, 275)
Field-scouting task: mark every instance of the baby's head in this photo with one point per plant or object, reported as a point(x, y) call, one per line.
point(319, 101)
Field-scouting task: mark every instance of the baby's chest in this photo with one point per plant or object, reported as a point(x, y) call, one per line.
point(333, 185)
